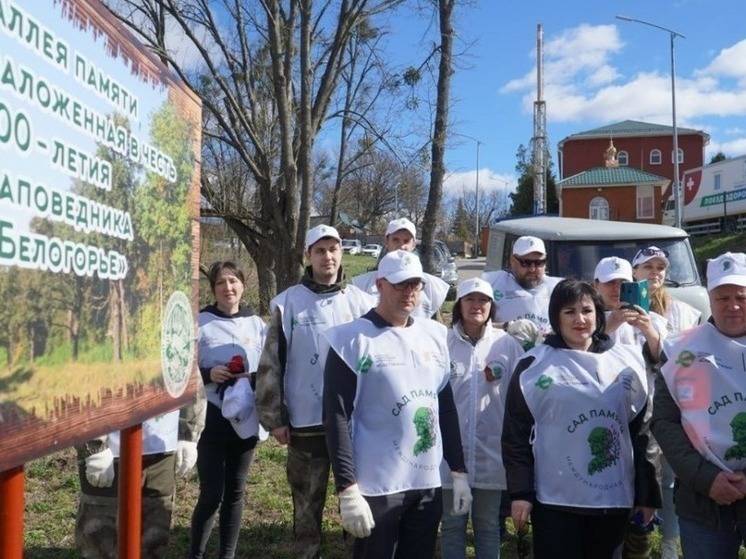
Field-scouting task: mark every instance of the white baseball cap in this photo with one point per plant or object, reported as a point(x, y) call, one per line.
point(611, 268)
point(728, 268)
point(527, 244)
point(399, 266)
point(319, 232)
point(399, 224)
point(645, 254)
point(474, 285)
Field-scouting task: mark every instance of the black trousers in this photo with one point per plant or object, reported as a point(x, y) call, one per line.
point(560, 534)
point(406, 525)
point(223, 462)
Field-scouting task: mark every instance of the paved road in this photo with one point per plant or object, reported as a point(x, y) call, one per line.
point(469, 267)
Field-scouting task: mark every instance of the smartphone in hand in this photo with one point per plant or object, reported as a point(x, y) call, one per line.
point(635, 293)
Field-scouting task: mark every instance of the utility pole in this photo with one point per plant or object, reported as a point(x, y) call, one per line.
point(539, 140)
point(678, 200)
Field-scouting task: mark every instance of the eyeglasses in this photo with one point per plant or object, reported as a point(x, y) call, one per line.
point(525, 263)
point(411, 285)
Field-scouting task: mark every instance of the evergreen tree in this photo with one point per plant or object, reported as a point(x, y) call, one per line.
point(522, 200)
point(460, 228)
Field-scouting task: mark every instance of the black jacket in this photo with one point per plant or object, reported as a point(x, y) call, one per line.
point(518, 457)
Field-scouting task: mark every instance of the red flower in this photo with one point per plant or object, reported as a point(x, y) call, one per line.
point(235, 365)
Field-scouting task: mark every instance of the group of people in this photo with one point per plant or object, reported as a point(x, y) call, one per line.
point(550, 394)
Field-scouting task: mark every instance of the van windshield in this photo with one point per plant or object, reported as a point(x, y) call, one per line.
point(579, 258)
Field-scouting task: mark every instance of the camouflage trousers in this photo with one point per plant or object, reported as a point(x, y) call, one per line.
point(96, 521)
point(308, 476)
point(637, 543)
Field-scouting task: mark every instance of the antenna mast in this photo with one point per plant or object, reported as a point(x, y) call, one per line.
point(539, 141)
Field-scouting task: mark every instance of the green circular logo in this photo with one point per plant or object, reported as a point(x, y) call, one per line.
point(685, 358)
point(177, 344)
point(497, 295)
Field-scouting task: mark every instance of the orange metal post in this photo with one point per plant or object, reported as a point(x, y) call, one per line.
point(130, 493)
point(11, 513)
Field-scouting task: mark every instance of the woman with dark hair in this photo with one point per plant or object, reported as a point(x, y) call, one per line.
point(573, 443)
point(230, 341)
point(482, 359)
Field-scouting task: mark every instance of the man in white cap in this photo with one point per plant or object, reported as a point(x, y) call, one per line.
point(390, 419)
point(523, 291)
point(290, 377)
point(401, 234)
point(699, 417)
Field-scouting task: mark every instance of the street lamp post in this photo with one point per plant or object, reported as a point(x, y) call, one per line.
point(479, 143)
point(679, 207)
point(478, 236)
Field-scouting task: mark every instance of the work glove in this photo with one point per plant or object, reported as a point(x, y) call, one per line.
point(99, 468)
point(461, 493)
point(525, 332)
point(357, 517)
point(186, 457)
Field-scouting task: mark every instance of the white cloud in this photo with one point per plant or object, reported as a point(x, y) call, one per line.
point(582, 83)
point(489, 181)
point(731, 148)
point(730, 62)
point(582, 52)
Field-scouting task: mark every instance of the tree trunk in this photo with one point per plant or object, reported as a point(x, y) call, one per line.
point(306, 134)
point(435, 196)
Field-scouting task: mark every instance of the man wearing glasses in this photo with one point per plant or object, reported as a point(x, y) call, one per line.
point(390, 419)
point(523, 291)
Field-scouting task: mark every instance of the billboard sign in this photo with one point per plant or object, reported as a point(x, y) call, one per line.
point(99, 186)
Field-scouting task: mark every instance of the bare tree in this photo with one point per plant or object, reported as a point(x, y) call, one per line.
point(270, 70)
point(440, 131)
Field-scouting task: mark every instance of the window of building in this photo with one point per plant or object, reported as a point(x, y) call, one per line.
point(681, 156)
point(717, 181)
point(623, 158)
point(599, 208)
point(655, 157)
point(645, 202)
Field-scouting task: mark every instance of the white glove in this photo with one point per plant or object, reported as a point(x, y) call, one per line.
point(186, 457)
point(357, 517)
point(525, 332)
point(461, 493)
point(99, 468)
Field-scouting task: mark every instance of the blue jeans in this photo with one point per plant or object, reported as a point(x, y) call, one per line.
point(485, 520)
point(699, 542)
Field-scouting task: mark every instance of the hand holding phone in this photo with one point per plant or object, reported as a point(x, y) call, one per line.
point(635, 294)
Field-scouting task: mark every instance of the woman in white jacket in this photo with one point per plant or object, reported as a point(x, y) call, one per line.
point(482, 361)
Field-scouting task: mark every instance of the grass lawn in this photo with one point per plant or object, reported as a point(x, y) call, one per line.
point(51, 500)
point(710, 246)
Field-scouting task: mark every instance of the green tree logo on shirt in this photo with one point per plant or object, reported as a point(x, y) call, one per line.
point(685, 358)
point(424, 424)
point(544, 382)
point(364, 364)
point(605, 447)
point(738, 430)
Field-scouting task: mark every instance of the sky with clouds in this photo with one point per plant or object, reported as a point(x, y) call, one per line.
point(598, 70)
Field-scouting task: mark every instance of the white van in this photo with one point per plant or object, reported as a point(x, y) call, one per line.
point(575, 246)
